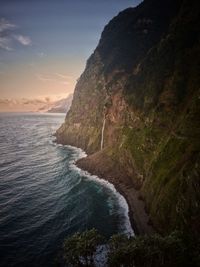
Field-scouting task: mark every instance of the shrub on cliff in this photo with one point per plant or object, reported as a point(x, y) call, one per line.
point(149, 251)
point(174, 250)
point(79, 249)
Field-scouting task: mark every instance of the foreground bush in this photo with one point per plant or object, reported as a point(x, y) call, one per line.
point(174, 250)
point(79, 250)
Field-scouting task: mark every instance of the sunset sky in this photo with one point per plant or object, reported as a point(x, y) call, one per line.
point(44, 44)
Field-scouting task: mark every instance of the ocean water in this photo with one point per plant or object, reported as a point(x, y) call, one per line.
point(44, 197)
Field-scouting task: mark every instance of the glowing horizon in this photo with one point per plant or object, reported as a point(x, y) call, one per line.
point(44, 45)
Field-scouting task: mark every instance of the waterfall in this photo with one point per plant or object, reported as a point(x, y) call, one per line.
point(102, 132)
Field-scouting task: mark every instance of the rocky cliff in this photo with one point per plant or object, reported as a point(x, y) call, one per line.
point(136, 109)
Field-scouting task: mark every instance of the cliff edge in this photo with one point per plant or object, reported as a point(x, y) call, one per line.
point(136, 111)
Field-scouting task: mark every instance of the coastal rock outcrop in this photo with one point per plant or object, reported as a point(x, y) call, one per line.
point(143, 78)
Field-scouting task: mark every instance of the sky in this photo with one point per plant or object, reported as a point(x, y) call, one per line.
point(44, 44)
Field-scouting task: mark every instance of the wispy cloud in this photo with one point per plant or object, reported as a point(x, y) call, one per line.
point(4, 101)
point(23, 40)
point(68, 77)
point(41, 54)
point(44, 79)
point(6, 25)
point(57, 77)
point(5, 31)
point(5, 43)
point(65, 82)
point(8, 35)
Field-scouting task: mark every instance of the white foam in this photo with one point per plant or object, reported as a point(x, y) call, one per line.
point(78, 154)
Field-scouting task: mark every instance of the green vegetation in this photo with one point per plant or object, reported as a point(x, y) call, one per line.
point(145, 75)
point(174, 250)
point(80, 249)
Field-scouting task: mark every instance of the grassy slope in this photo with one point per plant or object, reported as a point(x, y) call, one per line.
point(166, 147)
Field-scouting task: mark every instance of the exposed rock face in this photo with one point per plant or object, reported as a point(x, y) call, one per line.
point(144, 79)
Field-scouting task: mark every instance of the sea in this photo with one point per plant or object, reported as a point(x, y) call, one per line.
point(44, 196)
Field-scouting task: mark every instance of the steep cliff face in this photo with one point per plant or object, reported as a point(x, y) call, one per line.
point(142, 84)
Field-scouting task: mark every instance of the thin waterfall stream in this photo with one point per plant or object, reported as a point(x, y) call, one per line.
point(102, 132)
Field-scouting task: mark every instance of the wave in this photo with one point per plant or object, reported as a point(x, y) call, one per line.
point(78, 153)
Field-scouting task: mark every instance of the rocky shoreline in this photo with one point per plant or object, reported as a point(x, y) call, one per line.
point(103, 167)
